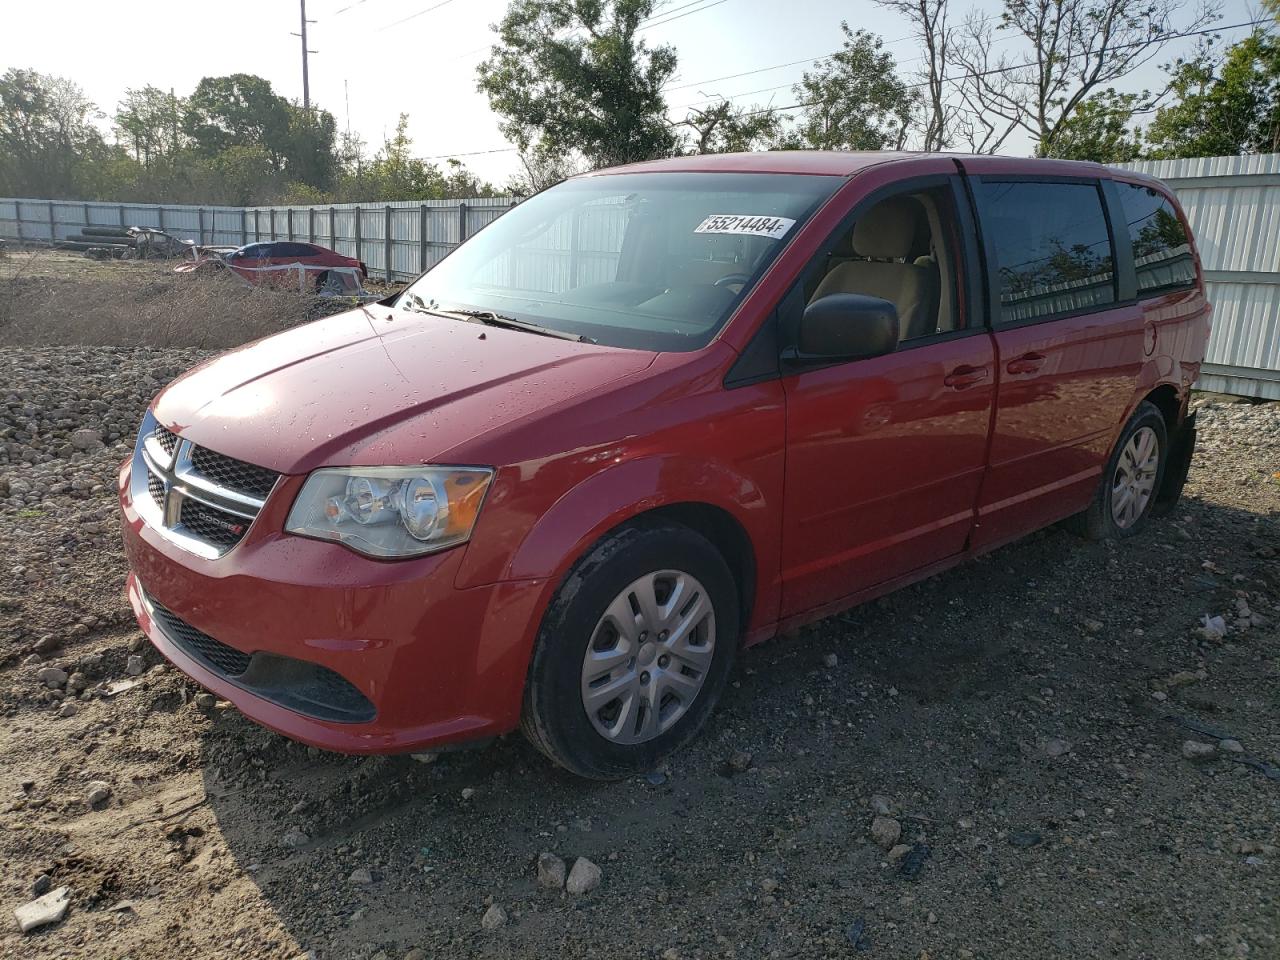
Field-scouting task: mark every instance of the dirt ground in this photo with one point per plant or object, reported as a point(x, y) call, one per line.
point(1023, 719)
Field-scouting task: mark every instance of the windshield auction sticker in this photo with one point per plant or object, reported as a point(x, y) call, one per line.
point(775, 228)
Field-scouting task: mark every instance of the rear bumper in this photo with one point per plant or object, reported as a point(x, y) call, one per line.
point(436, 664)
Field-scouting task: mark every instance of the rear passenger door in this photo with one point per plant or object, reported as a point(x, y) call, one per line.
point(1068, 351)
point(885, 455)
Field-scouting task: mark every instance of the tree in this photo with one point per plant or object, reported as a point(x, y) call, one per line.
point(932, 31)
point(238, 110)
point(725, 128)
point(571, 75)
point(1225, 108)
point(149, 123)
point(853, 100)
point(1098, 129)
point(1069, 50)
point(395, 173)
point(47, 137)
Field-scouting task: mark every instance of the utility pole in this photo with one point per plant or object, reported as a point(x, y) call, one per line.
point(306, 80)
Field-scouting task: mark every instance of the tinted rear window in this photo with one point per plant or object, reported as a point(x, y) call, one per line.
point(1052, 248)
point(1162, 255)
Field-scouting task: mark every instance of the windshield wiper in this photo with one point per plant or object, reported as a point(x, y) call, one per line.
point(492, 319)
point(415, 304)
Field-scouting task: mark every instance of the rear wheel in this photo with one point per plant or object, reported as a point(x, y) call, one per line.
point(633, 653)
point(1127, 493)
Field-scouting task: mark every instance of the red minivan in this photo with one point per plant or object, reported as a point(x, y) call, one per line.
point(649, 416)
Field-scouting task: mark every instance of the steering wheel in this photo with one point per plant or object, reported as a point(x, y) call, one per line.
point(732, 278)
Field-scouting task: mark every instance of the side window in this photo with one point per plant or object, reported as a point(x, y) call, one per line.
point(1161, 249)
point(905, 249)
point(287, 249)
point(1052, 247)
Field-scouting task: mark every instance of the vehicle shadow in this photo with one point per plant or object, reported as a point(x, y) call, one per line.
point(938, 696)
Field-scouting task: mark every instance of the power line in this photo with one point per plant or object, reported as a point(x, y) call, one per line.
point(1018, 66)
point(679, 16)
point(909, 86)
point(414, 16)
point(670, 10)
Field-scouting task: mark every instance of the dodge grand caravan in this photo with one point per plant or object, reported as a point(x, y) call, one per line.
point(652, 415)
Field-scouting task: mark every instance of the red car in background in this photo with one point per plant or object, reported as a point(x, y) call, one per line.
point(291, 263)
point(649, 416)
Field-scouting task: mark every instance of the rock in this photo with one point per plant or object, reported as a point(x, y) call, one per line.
point(1093, 626)
point(671, 953)
point(468, 793)
point(830, 660)
point(740, 761)
point(551, 871)
point(294, 838)
point(205, 700)
point(881, 805)
point(494, 918)
point(43, 911)
point(1231, 746)
point(1212, 628)
point(1024, 839)
point(584, 877)
point(42, 885)
point(136, 666)
point(86, 439)
point(417, 953)
point(52, 677)
point(1181, 678)
point(1056, 747)
point(77, 682)
point(1195, 750)
point(69, 709)
point(769, 885)
point(48, 643)
point(425, 758)
point(360, 876)
point(98, 793)
point(886, 832)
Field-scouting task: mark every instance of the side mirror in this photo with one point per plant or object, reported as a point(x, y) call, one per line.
point(847, 326)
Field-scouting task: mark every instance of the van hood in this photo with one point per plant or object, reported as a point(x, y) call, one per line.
point(378, 385)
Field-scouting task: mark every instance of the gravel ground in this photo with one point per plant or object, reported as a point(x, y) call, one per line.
point(999, 762)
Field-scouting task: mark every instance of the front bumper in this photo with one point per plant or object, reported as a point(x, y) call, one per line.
point(436, 664)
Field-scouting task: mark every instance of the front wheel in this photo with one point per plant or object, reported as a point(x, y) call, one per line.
point(634, 652)
point(1132, 479)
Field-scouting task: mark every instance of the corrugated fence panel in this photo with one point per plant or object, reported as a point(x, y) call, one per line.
point(1233, 204)
point(422, 233)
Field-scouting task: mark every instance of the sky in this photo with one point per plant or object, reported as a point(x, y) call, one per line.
point(376, 59)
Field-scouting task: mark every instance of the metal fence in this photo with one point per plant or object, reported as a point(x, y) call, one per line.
point(396, 240)
point(1233, 204)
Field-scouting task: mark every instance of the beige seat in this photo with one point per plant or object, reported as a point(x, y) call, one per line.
point(886, 233)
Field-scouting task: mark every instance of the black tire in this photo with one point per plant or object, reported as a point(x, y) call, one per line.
point(554, 718)
point(1097, 521)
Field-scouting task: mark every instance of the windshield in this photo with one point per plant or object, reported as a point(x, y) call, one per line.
point(655, 261)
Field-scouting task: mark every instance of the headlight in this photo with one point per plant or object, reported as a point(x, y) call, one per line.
point(391, 511)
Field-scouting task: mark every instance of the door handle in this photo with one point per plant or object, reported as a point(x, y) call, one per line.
point(961, 378)
point(1027, 363)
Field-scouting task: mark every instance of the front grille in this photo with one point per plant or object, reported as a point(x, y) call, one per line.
point(211, 524)
point(232, 473)
point(155, 487)
point(202, 500)
point(214, 654)
point(168, 440)
point(299, 685)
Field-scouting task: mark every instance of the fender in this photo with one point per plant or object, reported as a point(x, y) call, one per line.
point(606, 499)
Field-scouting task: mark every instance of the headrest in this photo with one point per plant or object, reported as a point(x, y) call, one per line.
point(888, 229)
